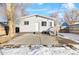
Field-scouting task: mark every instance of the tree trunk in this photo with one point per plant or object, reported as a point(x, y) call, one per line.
point(11, 23)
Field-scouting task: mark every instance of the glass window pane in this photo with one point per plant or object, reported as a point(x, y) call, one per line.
point(44, 23)
point(26, 22)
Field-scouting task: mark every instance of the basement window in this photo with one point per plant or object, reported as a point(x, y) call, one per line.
point(26, 22)
point(44, 23)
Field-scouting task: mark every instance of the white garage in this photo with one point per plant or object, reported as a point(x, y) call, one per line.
point(35, 23)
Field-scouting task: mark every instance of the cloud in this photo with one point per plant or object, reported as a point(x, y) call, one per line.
point(68, 6)
point(61, 15)
point(40, 3)
point(2, 14)
point(41, 9)
point(52, 11)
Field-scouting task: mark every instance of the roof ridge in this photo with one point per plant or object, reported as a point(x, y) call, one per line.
point(37, 15)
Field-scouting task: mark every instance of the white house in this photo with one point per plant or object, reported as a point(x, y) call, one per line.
point(35, 23)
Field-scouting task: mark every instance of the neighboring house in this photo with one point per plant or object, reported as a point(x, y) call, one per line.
point(35, 23)
point(77, 22)
point(74, 28)
point(64, 27)
point(3, 28)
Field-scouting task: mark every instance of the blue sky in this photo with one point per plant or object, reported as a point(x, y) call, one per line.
point(48, 8)
point(44, 9)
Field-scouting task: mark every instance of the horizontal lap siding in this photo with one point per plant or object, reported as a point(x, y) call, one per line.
point(44, 28)
point(32, 20)
point(27, 28)
point(74, 29)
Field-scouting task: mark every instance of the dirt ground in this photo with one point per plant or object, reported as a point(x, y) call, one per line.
point(38, 39)
point(65, 41)
point(33, 39)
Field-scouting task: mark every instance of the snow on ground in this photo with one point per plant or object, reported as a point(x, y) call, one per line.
point(16, 51)
point(42, 50)
point(72, 36)
point(39, 50)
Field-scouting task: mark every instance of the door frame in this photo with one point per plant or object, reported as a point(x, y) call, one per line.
point(36, 27)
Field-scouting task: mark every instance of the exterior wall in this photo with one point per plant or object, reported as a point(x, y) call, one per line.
point(74, 28)
point(65, 30)
point(33, 22)
point(27, 28)
point(44, 28)
point(2, 30)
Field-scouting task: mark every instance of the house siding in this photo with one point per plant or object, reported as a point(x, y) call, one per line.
point(32, 24)
point(2, 30)
point(74, 28)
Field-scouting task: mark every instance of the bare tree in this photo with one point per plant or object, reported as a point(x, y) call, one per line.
point(71, 16)
point(11, 12)
point(7, 11)
point(10, 18)
point(56, 23)
point(2, 12)
point(20, 11)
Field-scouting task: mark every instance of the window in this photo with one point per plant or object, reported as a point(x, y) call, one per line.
point(44, 23)
point(50, 23)
point(26, 22)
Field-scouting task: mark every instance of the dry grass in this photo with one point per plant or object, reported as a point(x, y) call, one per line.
point(5, 38)
point(66, 41)
point(35, 39)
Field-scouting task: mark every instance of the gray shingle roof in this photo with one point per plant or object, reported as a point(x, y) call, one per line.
point(3, 24)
